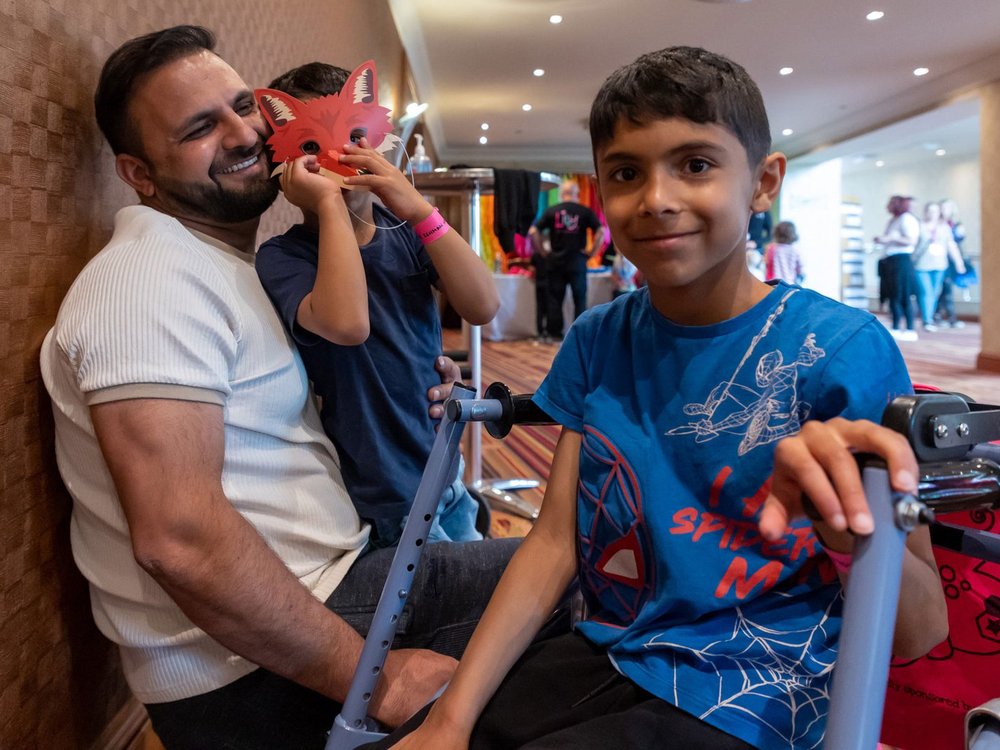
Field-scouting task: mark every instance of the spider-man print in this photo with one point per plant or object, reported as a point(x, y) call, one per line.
point(615, 548)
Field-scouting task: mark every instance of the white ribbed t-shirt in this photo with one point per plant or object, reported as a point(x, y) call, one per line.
point(163, 312)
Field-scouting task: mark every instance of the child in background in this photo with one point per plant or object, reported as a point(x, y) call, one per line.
point(353, 284)
point(782, 258)
point(714, 608)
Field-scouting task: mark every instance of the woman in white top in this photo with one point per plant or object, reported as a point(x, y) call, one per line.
point(930, 260)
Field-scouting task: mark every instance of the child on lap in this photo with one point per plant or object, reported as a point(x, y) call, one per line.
point(353, 284)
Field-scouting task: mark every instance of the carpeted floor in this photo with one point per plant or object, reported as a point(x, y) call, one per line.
point(946, 359)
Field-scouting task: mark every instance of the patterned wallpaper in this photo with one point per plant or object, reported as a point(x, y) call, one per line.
point(60, 685)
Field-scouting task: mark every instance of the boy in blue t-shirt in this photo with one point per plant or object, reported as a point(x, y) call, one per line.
point(713, 608)
point(353, 284)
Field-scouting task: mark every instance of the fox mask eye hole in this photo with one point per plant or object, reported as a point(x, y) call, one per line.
point(358, 133)
point(310, 147)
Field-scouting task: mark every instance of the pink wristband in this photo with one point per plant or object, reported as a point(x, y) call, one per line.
point(841, 560)
point(431, 228)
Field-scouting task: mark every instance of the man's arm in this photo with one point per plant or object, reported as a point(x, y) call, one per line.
point(598, 242)
point(166, 459)
point(819, 462)
point(539, 241)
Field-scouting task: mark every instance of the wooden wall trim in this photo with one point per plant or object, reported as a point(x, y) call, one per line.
point(126, 726)
point(988, 362)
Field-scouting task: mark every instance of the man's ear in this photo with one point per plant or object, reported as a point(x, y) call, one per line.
point(771, 173)
point(134, 172)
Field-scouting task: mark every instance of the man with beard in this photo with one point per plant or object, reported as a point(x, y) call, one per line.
point(210, 517)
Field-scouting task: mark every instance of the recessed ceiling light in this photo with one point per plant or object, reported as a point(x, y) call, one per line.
point(483, 139)
point(940, 152)
point(538, 72)
point(875, 15)
point(787, 131)
point(921, 71)
point(555, 19)
point(880, 163)
point(786, 71)
point(485, 126)
point(526, 107)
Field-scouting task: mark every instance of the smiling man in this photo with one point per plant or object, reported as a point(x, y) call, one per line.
point(210, 516)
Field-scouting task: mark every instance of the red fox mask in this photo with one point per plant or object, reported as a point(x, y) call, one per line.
point(323, 125)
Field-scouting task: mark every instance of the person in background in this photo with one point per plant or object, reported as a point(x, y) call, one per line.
point(782, 258)
point(935, 251)
point(759, 229)
point(354, 286)
point(945, 309)
point(209, 514)
point(560, 236)
point(899, 240)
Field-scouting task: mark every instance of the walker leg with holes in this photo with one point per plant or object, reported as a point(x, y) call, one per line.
point(942, 429)
point(353, 727)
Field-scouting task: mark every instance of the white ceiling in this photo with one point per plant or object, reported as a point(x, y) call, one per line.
point(473, 60)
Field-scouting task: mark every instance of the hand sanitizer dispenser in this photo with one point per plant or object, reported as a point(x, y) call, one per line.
point(420, 162)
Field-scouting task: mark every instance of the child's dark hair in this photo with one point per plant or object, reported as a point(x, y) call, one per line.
point(785, 233)
point(127, 65)
point(311, 80)
point(685, 82)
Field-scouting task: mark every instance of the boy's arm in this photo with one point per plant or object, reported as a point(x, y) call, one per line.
point(463, 276)
point(535, 580)
point(819, 462)
point(337, 306)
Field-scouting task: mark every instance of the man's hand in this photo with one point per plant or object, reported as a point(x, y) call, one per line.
point(410, 680)
point(450, 373)
point(819, 462)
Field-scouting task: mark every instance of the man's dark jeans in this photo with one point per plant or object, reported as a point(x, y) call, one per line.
point(263, 711)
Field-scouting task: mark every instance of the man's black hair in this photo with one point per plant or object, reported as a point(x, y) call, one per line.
point(127, 65)
point(684, 82)
point(311, 80)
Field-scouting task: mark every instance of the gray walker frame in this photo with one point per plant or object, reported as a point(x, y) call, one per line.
point(500, 410)
point(955, 475)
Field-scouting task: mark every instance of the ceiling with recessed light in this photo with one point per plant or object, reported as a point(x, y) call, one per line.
point(475, 61)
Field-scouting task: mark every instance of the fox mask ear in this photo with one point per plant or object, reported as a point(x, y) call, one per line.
point(362, 85)
point(278, 108)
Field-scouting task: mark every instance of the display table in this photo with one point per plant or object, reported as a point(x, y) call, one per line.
point(516, 317)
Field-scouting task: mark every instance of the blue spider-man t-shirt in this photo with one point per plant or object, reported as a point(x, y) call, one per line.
point(679, 426)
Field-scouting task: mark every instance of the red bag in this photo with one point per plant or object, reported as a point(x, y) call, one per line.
point(928, 698)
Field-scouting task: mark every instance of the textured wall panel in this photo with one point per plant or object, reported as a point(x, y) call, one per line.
point(60, 682)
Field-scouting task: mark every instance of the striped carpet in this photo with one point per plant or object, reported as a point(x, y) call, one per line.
point(946, 359)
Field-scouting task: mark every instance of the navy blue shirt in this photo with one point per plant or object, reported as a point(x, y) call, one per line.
point(374, 404)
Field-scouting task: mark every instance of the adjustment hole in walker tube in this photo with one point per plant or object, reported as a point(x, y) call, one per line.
point(385, 644)
point(376, 670)
point(366, 697)
point(409, 567)
point(419, 542)
point(394, 618)
point(427, 516)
